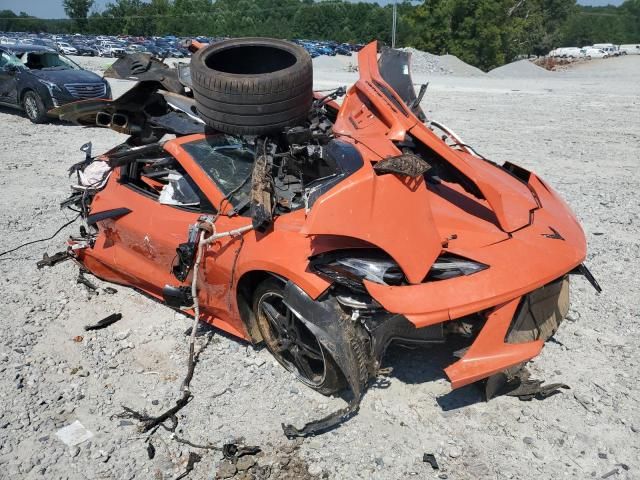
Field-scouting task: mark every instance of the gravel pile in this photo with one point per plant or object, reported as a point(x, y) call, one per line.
point(520, 69)
point(428, 63)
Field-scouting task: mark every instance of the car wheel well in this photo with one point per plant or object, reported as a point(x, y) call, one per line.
point(24, 92)
point(246, 286)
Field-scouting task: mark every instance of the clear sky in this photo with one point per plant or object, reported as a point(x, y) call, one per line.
point(53, 8)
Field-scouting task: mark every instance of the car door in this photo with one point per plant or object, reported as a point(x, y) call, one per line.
point(9, 72)
point(167, 194)
point(222, 167)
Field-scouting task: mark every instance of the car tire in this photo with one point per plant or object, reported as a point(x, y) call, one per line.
point(252, 86)
point(34, 107)
point(327, 377)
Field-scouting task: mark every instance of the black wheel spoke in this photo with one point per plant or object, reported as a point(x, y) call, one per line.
point(282, 345)
point(275, 318)
point(302, 363)
point(290, 341)
point(288, 320)
point(309, 351)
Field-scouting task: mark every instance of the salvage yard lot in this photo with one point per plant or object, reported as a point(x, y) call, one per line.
point(579, 130)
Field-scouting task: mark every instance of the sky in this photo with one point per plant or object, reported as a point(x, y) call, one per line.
point(53, 8)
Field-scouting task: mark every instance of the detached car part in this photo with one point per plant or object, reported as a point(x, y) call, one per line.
point(252, 86)
point(143, 67)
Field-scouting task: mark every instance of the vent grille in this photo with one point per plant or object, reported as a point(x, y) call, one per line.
point(87, 90)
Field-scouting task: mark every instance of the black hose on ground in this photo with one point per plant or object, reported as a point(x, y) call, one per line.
point(42, 239)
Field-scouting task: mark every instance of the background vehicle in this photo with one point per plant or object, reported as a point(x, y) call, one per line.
point(37, 79)
point(630, 49)
point(66, 48)
point(609, 48)
point(568, 52)
point(107, 49)
point(85, 50)
point(589, 53)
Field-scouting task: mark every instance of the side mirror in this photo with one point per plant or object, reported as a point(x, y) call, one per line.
point(11, 69)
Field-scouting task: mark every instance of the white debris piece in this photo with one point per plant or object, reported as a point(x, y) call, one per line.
point(74, 434)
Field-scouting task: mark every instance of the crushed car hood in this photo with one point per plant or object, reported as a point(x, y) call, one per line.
point(66, 76)
point(396, 213)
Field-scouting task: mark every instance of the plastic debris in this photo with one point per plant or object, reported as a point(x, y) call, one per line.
point(74, 434)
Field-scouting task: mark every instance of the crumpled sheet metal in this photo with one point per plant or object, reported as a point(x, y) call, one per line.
point(143, 67)
point(179, 117)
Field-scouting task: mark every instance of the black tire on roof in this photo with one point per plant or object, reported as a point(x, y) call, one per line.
point(252, 86)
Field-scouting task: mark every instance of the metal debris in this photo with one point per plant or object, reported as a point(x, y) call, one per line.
point(232, 451)
point(105, 322)
point(86, 282)
point(430, 458)
point(50, 261)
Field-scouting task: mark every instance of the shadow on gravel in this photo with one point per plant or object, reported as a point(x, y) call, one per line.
point(416, 365)
point(20, 113)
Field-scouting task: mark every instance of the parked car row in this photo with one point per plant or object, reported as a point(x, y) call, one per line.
point(598, 50)
point(331, 49)
point(100, 46)
point(162, 47)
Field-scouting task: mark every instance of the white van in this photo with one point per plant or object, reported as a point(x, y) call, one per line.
point(566, 52)
point(591, 52)
point(630, 49)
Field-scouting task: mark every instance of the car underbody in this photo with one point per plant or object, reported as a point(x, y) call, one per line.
point(364, 224)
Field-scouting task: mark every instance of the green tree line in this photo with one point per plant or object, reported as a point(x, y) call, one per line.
point(485, 33)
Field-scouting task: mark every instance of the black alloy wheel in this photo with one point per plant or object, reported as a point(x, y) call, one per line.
point(292, 343)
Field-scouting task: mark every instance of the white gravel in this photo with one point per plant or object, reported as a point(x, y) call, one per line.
point(520, 69)
point(428, 63)
point(579, 130)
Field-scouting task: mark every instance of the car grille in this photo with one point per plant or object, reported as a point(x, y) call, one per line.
point(87, 90)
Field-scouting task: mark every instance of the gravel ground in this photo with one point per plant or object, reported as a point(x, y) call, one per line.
point(579, 130)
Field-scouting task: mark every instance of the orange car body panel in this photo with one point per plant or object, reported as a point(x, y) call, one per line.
point(489, 354)
point(412, 220)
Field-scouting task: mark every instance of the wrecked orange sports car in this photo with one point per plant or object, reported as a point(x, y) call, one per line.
point(327, 231)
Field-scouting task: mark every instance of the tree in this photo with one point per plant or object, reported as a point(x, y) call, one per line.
point(78, 10)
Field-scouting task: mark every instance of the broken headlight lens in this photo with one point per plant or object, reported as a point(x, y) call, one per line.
point(351, 271)
point(449, 266)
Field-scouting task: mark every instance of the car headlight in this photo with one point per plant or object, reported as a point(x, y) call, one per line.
point(351, 268)
point(450, 266)
point(52, 87)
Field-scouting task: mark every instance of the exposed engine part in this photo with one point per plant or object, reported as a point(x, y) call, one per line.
point(185, 253)
point(261, 188)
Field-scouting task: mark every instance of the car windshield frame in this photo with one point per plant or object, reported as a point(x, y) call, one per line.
point(66, 61)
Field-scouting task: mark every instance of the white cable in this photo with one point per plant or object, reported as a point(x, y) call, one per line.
point(194, 282)
point(450, 133)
